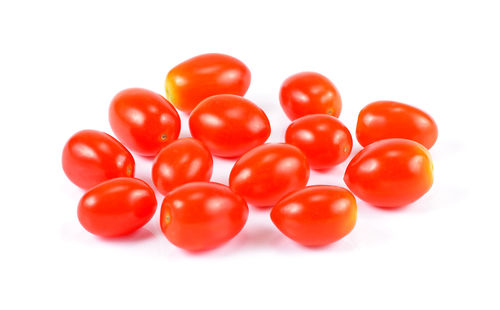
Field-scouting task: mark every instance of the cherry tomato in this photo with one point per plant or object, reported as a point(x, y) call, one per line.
point(201, 215)
point(229, 125)
point(91, 157)
point(324, 140)
point(268, 172)
point(143, 120)
point(389, 119)
point(197, 78)
point(316, 215)
point(390, 173)
point(309, 93)
point(117, 207)
point(182, 161)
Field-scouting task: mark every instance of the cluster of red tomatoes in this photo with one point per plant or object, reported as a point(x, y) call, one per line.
point(393, 169)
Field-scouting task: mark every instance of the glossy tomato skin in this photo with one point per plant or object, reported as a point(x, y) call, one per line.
point(202, 215)
point(91, 157)
point(309, 93)
point(316, 215)
point(229, 125)
point(325, 141)
point(143, 120)
point(182, 161)
point(268, 172)
point(390, 119)
point(117, 207)
point(197, 78)
point(390, 173)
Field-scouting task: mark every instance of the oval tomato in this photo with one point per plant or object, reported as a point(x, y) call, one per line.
point(91, 157)
point(390, 173)
point(316, 215)
point(229, 125)
point(143, 120)
point(324, 140)
point(117, 207)
point(197, 78)
point(268, 172)
point(201, 215)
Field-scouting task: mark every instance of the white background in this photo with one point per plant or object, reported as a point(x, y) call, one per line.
point(62, 62)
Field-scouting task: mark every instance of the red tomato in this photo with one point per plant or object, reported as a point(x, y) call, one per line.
point(182, 161)
point(195, 79)
point(389, 119)
point(316, 215)
point(201, 215)
point(268, 172)
point(229, 125)
point(309, 93)
point(324, 140)
point(390, 173)
point(91, 157)
point(117, 207)
point(143, 120)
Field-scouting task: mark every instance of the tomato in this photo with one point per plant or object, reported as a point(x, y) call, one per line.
point(91, 157)
point(316, 215)
point(309, 93)
point(143, 120)
point(117, 207)
point(389, 119)
point(201, 215)
point(197, 78)
point(324, 140)
point(268, 172)
point(182, 161)
point(390, 173)
point(229, 125)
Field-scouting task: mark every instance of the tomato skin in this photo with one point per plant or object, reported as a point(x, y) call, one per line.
point(182, 161)
point(143, 120)
point(90, 157)
point(390, 173)
point(202, 76)
point(117, 207)
point(268, 172)
point(202, 215)
point(229, 125)
point(316, 215)
point(309, 93)
point(389, 119)
point(325, 141)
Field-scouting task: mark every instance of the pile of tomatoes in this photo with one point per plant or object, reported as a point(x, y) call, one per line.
point(392, 170)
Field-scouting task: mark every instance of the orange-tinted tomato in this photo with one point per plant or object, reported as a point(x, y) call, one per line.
point(91, 157)
point(268, 172)
point(389, 119)
point(143, 120)
point(316, 215)
point(309, 93)
point(201, 215)
point(390, 173)
point(197, 78)
point(229, 125)
point(117, 207)
point(324, 140)
point(182, 161)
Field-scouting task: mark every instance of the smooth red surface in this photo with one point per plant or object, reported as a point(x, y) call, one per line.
point(143, 120)
point(389, 119)
point(325, 141)
point(117, 207)
point(201, 215)
point(91, 157)
point(316, 215)
point(390, 173)
point(229, 125)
